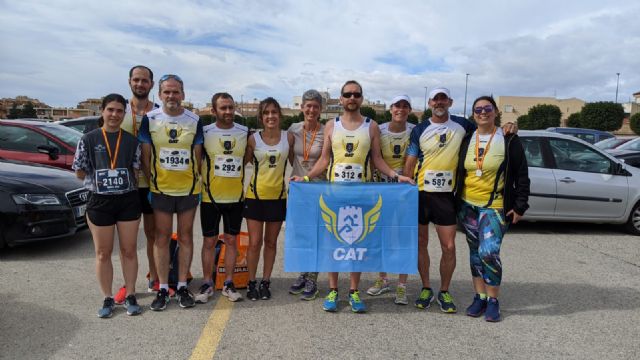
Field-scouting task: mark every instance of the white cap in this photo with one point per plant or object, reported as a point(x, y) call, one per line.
point(439, 90)
point(399, 98)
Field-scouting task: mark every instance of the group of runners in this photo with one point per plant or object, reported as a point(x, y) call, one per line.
point(159, 160)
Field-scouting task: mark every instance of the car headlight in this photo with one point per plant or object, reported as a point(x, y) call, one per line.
point(35, 199)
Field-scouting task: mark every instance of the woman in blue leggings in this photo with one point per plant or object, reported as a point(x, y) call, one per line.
point(492, 189)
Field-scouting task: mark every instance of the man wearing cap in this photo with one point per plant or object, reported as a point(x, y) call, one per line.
point(394, 138)
point(433, 147)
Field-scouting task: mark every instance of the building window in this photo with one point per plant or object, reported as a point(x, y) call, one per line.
point(508, 108)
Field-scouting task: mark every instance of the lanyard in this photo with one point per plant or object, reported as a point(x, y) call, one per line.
point(479, 160)
point(306, 150)
point(134, 119)
point(112, 159)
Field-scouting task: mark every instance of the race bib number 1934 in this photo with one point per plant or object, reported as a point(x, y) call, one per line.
point(174, 159)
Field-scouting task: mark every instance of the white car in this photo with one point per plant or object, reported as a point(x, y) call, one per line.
point(572, 180)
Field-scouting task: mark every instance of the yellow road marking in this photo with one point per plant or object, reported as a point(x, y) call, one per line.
point(212, 332)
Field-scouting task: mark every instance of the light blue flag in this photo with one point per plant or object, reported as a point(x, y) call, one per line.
point(344, 227)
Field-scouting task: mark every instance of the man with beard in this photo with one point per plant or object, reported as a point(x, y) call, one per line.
point(141, 83)
point(171, 138)
point(352, 164)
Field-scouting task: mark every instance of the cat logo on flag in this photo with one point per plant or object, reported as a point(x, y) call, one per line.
point(349, 226)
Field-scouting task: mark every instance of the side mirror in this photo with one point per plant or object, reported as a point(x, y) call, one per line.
point(619, 169)
point(52, 151)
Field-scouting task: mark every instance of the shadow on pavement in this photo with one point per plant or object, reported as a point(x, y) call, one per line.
point(526, 227)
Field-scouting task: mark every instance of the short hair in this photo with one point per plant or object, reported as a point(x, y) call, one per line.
point(312, 95)
point(263, 105)
point(167, 77)
point(486, 98)
point(141, 67)
point(349, 83)
point(220, 95)
point(110, 98)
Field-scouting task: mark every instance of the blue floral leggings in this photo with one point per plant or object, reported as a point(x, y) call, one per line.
point(485, 229)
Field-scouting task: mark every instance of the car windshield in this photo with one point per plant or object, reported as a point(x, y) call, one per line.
point(610, 143)
point(67, 135)
point(630, 145)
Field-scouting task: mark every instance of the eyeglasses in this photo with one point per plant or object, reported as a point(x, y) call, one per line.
point(356, 95)
point(170, 76)
point(486, 108)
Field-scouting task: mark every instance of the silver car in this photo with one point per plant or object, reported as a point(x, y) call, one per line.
point(572, 180)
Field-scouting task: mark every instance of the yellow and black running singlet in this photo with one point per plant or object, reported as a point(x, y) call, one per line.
point(223, 167)
point(269, 163)
point(131, 124)
point(479, 185)
point(350, 153)
point(394, 147)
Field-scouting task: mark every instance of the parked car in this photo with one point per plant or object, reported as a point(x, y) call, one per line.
point(612, 143)
point(589, 135)
point(629, 157)
point(83, 124)
point(572, 180)
point(39, 203)
point(632, 145)
point(38, 142)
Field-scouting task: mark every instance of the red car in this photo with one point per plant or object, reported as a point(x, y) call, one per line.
point(38, 142)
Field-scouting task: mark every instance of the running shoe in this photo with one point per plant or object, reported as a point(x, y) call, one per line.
point(252, 292)
point(477, 307)
point(206, 291)
point(161, 300)
point(131, 304)
point(229, 290)
point(120, 296)
point(446, 303)
point(401, 296)
point(425, 299)
point(185, 298)
point(107, 308)
point(379, 287)
point(154, 286)
point(331, 302)
point(357, 306)
point(298, 286)
point(265, 293)
point(310, 290)
point(492, 314)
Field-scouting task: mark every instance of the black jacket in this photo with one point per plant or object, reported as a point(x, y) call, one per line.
point(514, 166)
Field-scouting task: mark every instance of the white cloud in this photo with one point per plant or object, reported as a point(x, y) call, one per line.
point(67, 51)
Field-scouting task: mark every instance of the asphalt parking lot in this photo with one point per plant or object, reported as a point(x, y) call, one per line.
point(570, 291)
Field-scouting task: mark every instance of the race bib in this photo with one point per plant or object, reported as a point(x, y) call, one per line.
point(110, 181)
point(227, 166)
point(438, 181)
point(347, 172)
point(174, 159)
point(385, 178)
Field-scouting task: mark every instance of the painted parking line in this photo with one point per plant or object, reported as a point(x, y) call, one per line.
point(213, 329)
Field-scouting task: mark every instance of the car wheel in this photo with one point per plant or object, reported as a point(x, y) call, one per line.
point(633, 224)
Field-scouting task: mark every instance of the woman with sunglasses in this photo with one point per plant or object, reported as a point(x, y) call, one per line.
point(266, 201)
point(309, 137)
point(107, 159)
point(492, 189)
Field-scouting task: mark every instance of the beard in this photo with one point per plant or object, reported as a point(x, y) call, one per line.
point(140, 96)
point(439, 112)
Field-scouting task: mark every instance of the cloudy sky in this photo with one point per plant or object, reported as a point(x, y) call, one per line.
point(62, 52)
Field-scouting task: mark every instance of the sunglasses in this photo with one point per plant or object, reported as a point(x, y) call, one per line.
point(486, 108)
point(356, 95)
point(170, 76)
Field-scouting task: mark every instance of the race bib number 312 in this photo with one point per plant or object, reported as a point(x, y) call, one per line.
point(347, 172)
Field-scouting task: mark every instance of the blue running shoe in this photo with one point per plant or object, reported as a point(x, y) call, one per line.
point(132, 305)
point(298, 286)
point(446, 302)
point(492, 314)
point(425, 299)
point(477, 307)
point(331, 302)
point(107, 308)
point(357, 306)
point(310, 290)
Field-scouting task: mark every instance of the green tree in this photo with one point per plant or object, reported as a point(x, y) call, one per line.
point(368, 112)
point(251, 122)
point(28, 111)
point(206, 119)
point(543, 116)
point(413, 119)
point(523, 122)
point(386, 117)
point(426, 114)
point(634, 123)
point(14, 112)
point(574, 120)
point(603, 115)
point(286, 121)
